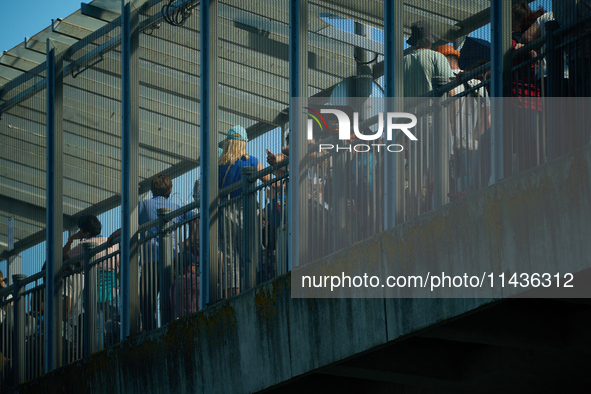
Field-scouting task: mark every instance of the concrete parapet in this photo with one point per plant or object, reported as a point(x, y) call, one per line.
point(264, 337)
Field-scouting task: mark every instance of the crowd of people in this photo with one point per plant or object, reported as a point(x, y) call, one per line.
point(525, 143)
point(469, 121)
point(182, 295)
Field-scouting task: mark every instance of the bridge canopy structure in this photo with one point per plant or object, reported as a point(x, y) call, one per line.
point(253, 80)
point(131, 89)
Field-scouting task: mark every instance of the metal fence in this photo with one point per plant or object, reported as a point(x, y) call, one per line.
point(543, 118)
point(252, 231)
point(253, 249)
point(452, 159)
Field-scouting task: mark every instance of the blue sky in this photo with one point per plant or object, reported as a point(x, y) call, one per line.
point(25, 18)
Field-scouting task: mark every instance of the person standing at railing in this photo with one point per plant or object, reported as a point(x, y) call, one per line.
point(526, 105)
point(538, 30)
point(90, 229)
point(106, 272)
point(422, 63)
point(275, 213)
point(231, 162)
point(234, 158)
point(567, 13)
point(470, 118)
point(161, 188)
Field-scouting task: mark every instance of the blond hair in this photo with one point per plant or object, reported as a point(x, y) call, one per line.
point(233, 151)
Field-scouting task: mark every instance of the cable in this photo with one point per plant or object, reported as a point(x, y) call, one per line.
point(176, 15)
point(368, 62)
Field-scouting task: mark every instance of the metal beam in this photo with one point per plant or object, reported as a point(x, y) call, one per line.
point(99, 126)
point(129, 170)
point(500, 17)
point(78, 169)
point(34, 181)
point(55, 198)
point(208, 231)
point(298, 89)
point(24, 214)
point(37, 198)
point(21, 58)
point(394, 86)
point(234, 41)
point(37, 42)
point(372, 13)
point(88, 194)
point(98, 12)
point(19, 232)
point(77, 25)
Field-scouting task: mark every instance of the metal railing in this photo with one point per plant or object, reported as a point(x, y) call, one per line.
point(453, 154)
point(452, 159)
point(252, 231)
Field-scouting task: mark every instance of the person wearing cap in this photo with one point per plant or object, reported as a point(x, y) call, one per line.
point(469, 120)
point(234, 157)
point(231, 162)
point(467, 112)
point(423, 63)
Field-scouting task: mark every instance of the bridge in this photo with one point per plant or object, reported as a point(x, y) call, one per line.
point(266, 341)
point(476, 253)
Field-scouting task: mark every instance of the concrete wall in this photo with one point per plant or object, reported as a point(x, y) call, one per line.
point(264, 336)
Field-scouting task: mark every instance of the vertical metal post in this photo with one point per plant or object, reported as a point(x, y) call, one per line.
point(554, 60)
point(339, 203)
point(441, 145)
point(500, 23)
point(13, 264)
point(394, 87)
point(298, 88)
point(208, 225)
point(18, 347)
point(89, 299)
point(250, 232)
point(129, 170)
point(54, 217)
point(283, 131)
point(555, 75)
point(166, 251)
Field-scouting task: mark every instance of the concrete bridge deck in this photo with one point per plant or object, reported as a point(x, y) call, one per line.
point(266, 341)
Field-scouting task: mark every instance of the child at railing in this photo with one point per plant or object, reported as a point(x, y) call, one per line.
point(106, 277)
point(184, 292)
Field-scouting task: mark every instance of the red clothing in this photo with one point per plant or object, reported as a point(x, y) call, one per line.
point(524, 83)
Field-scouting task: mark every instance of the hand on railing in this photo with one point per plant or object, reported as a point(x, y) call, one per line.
point(532, 53)
point(273, 159)
point(110, 241)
